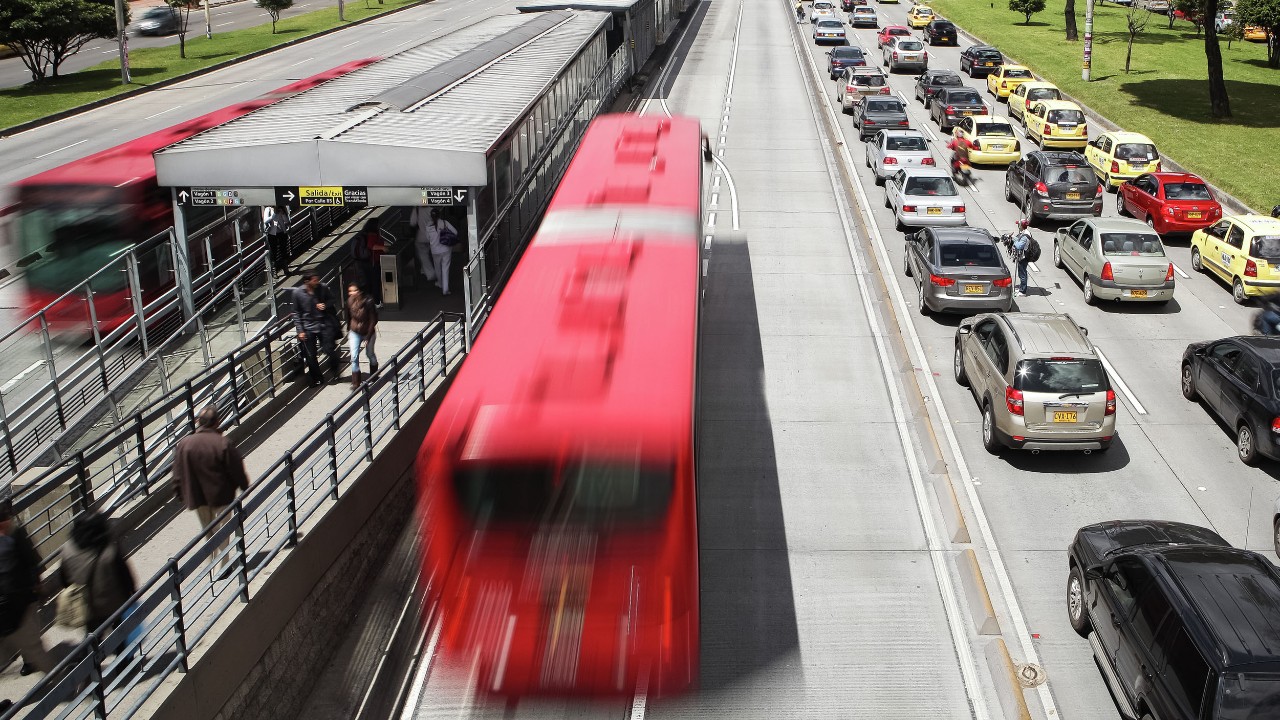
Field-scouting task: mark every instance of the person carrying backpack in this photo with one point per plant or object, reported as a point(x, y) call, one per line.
point(441, 236)
point(366, 250)
point(1025, 250)
point(20, 588)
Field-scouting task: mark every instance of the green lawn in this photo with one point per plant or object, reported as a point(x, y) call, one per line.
point(151, 65)
point(1165, 94)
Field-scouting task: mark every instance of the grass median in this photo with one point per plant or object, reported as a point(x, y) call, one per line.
point(151, 65)
point(1165, 95)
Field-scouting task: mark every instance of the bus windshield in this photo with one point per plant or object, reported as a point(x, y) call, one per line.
point(73, 243)
point(595, 493)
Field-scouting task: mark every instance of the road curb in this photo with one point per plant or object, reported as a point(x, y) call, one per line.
point(48, 119)
point(1005, 675)
point(949, 505)
point(978, 599)
point(1229, 202)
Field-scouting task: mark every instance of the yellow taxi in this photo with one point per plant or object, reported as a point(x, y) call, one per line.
point(1119, 156)
point(919, 16)
point(6, 51)
point(1255, 33)
point(1056, 124)
point(1244, 251)
point(991, 139)
point(1028, 92)
point(1006, 78)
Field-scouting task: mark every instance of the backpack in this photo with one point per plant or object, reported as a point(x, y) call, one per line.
point(448, 237)
point(360, 248)
point(1032, 253)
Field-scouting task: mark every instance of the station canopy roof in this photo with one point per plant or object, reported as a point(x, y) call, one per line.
point(601, 5)
point(425, 116)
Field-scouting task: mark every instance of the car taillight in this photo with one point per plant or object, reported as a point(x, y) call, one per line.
point(895, 54)
point(903, 123)
point(1250, 269)
point(884, 90)
point(1100, 190)
point(1013, 400)
point(891, 161)
point(1275, 425)
point(1042, 189)
point(1106, 272)
point(1002, 282)
point(926, 161)
point(1111, 402)
point(850, 88)
point(1004, 84)
point(983, 111)
point(1157, 166)
point(958, 209)
point(1048, 129)
point(1168, 274)
point(908, 208)
point(1115, 166)
point(868, 121)
point(941, 281)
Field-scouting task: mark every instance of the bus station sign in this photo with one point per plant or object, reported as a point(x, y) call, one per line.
point(322, 196)
point(208, 197)
point(447, 195)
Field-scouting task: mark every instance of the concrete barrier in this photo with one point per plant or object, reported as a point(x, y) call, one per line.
point(1005, 676)
point(975, 591)
point(949, 505)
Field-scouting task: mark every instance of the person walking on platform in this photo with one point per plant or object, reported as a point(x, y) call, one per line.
point(366, 250)
point(92, 559)
point(207, 471)
point(362, 330)
point(420, 220)
point(20, 631)
point(275, 223)
point(442, 236)
point(315, 318)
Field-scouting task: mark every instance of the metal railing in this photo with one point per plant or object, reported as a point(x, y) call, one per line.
point(174, 615)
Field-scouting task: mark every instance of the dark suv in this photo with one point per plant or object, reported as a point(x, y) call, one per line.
point(951, 105)
point(1053, 184)
point(928, 84)
point(1181, 624)
point(980, 60)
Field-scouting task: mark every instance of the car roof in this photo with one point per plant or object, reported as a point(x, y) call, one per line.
point(829, 21)
point(1058, 105)
point(1235, 593)
point(902, 133)
point(887, 28)
point(1007, 66)
point(1036, 84)
point(926, 172)
point(847, 50)
point(990, 120)
point(1266, 346)
point(863, 70)
point(1178, 177)
point(1059, 157)
point(950, 89)
point(1048, 334)
point(863, 9)
point(1114, 224)
point(950, 235)
point(942, 72)
point(1258, 223)
point(1124, 136)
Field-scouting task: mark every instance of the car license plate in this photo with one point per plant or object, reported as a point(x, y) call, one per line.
point(974, 290)
point(1138, 293)
point(1194, 215)
point(996, 147)
point(1073, 196)
point(988, 64)
point(1065, 416)
point(933, 211)
point(967, 113)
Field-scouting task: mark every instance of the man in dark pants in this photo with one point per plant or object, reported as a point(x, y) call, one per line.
point(316, 320)
point(275, 223)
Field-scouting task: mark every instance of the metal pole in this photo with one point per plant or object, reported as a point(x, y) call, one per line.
point(208, 24)
point(122, 40)
point(1088, 40)
point(182, 260)
point(341, 16)
point(473, 254)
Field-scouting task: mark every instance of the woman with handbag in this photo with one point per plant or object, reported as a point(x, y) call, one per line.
point(95, 577)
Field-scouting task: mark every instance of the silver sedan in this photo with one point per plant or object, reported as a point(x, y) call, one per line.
point(1115, 259)
point(892, 150)
point(958, 270)
point(924, 197)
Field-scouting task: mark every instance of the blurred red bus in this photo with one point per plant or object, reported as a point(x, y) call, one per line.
point(557, 482)
point(80, 216)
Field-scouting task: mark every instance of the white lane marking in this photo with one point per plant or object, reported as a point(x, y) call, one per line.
point(420, 676)
point(715, 183)
point(715, 199)
point(1180, 272)
point(711, 220)
point(1025, 645)
point(350, 44)
point(1119, 381)
point(956, 622)
point(175, 107)
point(300, 62)
point(384, 32)
point(704, 267)
point(706, 243)
point(733, 190)
point(662, 78)
point(18, 378)
point(224, 24)
point(67, 147)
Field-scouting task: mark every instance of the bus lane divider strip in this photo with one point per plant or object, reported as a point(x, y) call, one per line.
point(880, 252)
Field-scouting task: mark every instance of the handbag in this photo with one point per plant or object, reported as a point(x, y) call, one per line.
point(74, 601)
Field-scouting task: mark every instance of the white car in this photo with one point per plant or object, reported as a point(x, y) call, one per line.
point(924, 197)
point(822, 8)
point(828, 30)
point(1224, 20)
point(893, 150)
point(864, 16)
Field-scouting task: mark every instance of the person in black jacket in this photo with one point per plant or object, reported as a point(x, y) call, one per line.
point(315, 317)
point(19, 590)
point(92, 558)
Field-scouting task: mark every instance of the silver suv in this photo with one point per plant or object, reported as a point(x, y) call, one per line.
point(1038, 380)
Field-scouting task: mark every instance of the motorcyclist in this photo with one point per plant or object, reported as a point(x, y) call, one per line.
point(1267, 321)
point(960, 160)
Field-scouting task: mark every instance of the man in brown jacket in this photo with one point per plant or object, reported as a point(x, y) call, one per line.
point(207, 470)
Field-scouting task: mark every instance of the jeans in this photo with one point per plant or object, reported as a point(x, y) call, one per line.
point(1022, 276)
point(354, 341)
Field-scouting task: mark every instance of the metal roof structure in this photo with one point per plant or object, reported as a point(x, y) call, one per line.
point(425, 116)
point(601, 5)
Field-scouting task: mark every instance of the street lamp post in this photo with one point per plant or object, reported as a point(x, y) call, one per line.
point(208, 24)
point(1088, 40)
point(122, 40)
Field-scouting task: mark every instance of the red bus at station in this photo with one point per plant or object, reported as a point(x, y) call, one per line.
point(557, 481)
point(80, 216)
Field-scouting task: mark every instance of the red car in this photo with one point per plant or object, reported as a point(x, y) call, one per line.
point(889, 32)
point(847, 5)
point(1169, 202)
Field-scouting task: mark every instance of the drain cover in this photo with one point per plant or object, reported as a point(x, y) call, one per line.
point(1031, 675)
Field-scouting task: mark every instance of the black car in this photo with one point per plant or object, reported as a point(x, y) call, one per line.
point(873, 114)
point(1053, 184)
point(159, 20)
point(980, 60)
point(941, 32)
point(928, 84)
point(953, 104)
point(1236, 377)
point(843, 57)
point(1182, 625)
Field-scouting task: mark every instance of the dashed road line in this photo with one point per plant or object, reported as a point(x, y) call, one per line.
point(1120, 383)
point(1180, 272)
point(65, 147)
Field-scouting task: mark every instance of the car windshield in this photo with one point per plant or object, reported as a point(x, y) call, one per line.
point(847, 52)
point(905, 143)
point(970, 98)
point(1248, 695)
point(1066, 117)
point(864, 11)
point(1136, 151)
point(884, 106)
point(1017, 73)
point(595, 493)
point(909, 45)
point(923, 11)
point(948, 80)
point(898, 31)
point(157, 12)
point(941, 186)
point(1187, 191)
point(1043, 94)
point(994, 130)
point(969, 255)
point(869, 80)
point(943, 26)
point(822, 5)
point(1060, 375)
point(1073, 175)
point(990, 55)
point(1135, 243)
point(829, 23)
point(1266, 247)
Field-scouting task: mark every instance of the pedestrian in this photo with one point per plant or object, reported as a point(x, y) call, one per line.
point(799, 12)
point(315, 318)
point(207, 471)
point(20, 588)
point(1021, 242)
point(366, 250)
point(362, 330)
point(442, 236)
point(92, 559)
point(420, 220)
point(275, 223)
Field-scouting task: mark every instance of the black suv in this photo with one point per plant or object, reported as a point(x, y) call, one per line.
point(951, 105)
point(928, 84)
point(843, 57)
point(980, 60)
point(941, 32)
point(1053, 184)
point(1182, 625)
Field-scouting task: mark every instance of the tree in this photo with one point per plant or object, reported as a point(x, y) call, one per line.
point(1192, 11)
point(1026, 7)
point(1136, 20)
point(1264, 14)
point(1219, 103)
point(182, 8)
point(273, 8)
point(1072, 33)
point(44, 33)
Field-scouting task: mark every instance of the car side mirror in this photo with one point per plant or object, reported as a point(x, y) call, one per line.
point(964, 330)
point(1093, 572)
point(1083, 330)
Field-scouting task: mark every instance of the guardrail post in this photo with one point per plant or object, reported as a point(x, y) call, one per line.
point(366, 399)
point(143, 465)
point(395, 390)
point(242, 551)
point(235, 386)
point(176, 590)
point(97, 341)
point(291, 495)
point(53, 372)
point(135, 293)
point(95, 673)
point(333, 452)
point(8, 437)
point(83, 486)
point(235, 290)
point(204, 341)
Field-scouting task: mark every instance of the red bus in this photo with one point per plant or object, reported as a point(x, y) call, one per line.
point(556, 482)
point(80, 216)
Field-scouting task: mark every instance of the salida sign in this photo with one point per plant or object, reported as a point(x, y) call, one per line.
point(322, 196)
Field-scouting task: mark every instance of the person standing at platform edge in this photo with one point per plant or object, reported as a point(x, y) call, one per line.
point(275, 223)
point(441, 236)
point(367, 249)
point(362, 330)
point(208, 470)
point(20, 631)
point(315, 318)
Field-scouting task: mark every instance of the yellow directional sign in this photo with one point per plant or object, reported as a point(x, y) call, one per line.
point(321, 196)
